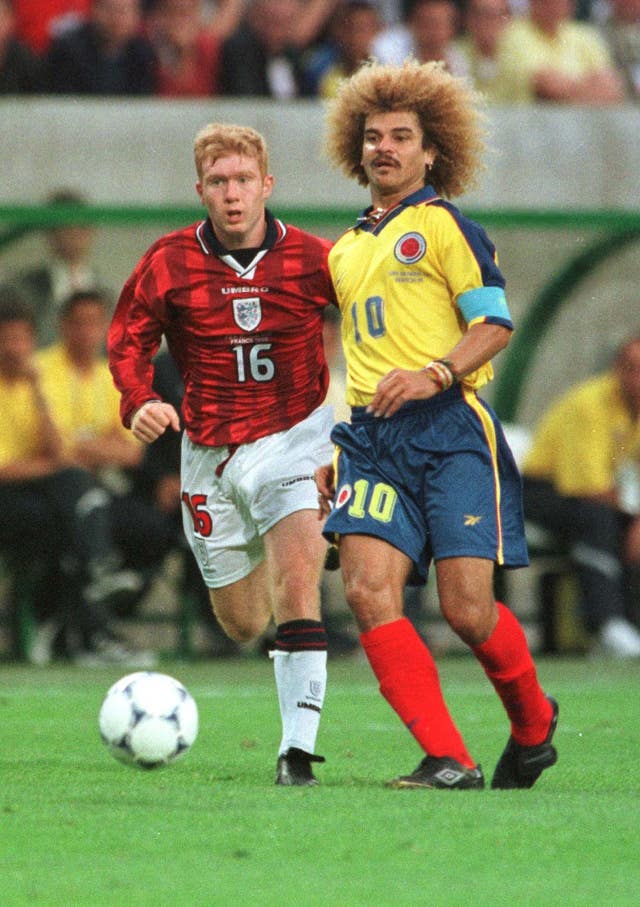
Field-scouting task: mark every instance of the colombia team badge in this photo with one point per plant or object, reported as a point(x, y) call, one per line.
point(410, 248)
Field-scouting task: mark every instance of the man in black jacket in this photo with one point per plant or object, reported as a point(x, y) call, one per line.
point(106, 55)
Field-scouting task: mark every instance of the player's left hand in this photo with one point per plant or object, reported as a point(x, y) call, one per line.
point(325, 482)
point(397, 388)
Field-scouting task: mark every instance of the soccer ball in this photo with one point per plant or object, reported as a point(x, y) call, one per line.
point(148, 719)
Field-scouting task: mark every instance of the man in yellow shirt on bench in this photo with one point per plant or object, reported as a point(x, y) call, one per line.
point(582, 484)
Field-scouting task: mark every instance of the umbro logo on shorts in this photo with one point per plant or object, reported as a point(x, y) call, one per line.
point(295, 480)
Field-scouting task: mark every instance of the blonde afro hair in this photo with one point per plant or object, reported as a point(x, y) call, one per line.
point(447, 108)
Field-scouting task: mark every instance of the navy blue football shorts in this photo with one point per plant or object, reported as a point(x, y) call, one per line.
point(436, 480)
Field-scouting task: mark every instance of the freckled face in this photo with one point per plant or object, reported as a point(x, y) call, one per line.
point(234, 191)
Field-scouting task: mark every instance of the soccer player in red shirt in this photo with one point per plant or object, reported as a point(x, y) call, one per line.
point(239, 298)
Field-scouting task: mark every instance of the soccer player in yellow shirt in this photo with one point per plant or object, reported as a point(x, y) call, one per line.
point(423, 472)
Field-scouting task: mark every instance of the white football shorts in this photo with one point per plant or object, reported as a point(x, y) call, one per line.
point(228, 506)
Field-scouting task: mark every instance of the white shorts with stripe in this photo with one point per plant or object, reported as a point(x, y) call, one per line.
point(228, 507)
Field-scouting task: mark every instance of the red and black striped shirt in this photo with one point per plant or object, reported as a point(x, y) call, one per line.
point(247, 337)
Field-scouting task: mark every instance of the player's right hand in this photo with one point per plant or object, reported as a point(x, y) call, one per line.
point(152, 419)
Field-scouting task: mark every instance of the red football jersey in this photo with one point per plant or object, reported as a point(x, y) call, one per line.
point(246, 339)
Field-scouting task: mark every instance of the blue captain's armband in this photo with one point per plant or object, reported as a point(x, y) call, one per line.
point(485, 304)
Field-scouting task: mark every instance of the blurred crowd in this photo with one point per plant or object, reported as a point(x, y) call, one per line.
point(514, 51)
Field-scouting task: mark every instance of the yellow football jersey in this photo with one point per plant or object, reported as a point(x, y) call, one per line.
point(408, 286)
point(584, 438)
point(84, 406)
point(20, 436)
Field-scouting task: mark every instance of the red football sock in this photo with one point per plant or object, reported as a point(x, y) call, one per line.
point(509, 666)
point(409, 681)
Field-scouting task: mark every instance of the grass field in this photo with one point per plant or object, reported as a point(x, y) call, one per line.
point(78, 828)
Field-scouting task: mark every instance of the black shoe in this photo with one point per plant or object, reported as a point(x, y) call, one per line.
point(521, 766)
point(332, 558)
point(294, 768)
point(441, 772)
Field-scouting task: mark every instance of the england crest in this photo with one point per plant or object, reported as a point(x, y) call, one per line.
point(315, 689)
point(247, 312)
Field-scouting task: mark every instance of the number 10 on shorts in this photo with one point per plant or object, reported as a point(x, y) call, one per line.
point(378, 502)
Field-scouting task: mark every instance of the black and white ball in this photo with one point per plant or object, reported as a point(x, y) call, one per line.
point(148, 719)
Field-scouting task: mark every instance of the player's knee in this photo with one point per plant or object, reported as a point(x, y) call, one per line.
point(243, 629)
point(473, 621)
point(240, 624)
point(357, 593)
point(241, 633)
point(372, 603)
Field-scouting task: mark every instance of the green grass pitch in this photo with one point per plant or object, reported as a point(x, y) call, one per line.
point(79, 828)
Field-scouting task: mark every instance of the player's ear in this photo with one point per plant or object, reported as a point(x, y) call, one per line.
point(199, 191)
point(267, 186)
point(430, 155)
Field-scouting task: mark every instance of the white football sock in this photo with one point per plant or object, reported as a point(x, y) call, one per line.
point(301, 679)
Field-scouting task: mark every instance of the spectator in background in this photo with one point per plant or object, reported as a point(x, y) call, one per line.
point(354, 26)
point(391, 11)
point(38, 21)
point(428, 33)
point(547, 56)
point(20, 68)
point(264, 56)
point(52, 511)
point(484, 22)
point(582, 484)
point(188, 48)
point(621, 30)
point(78, 384)
point(105, 55)
point(45, 286)
point(76, 377)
